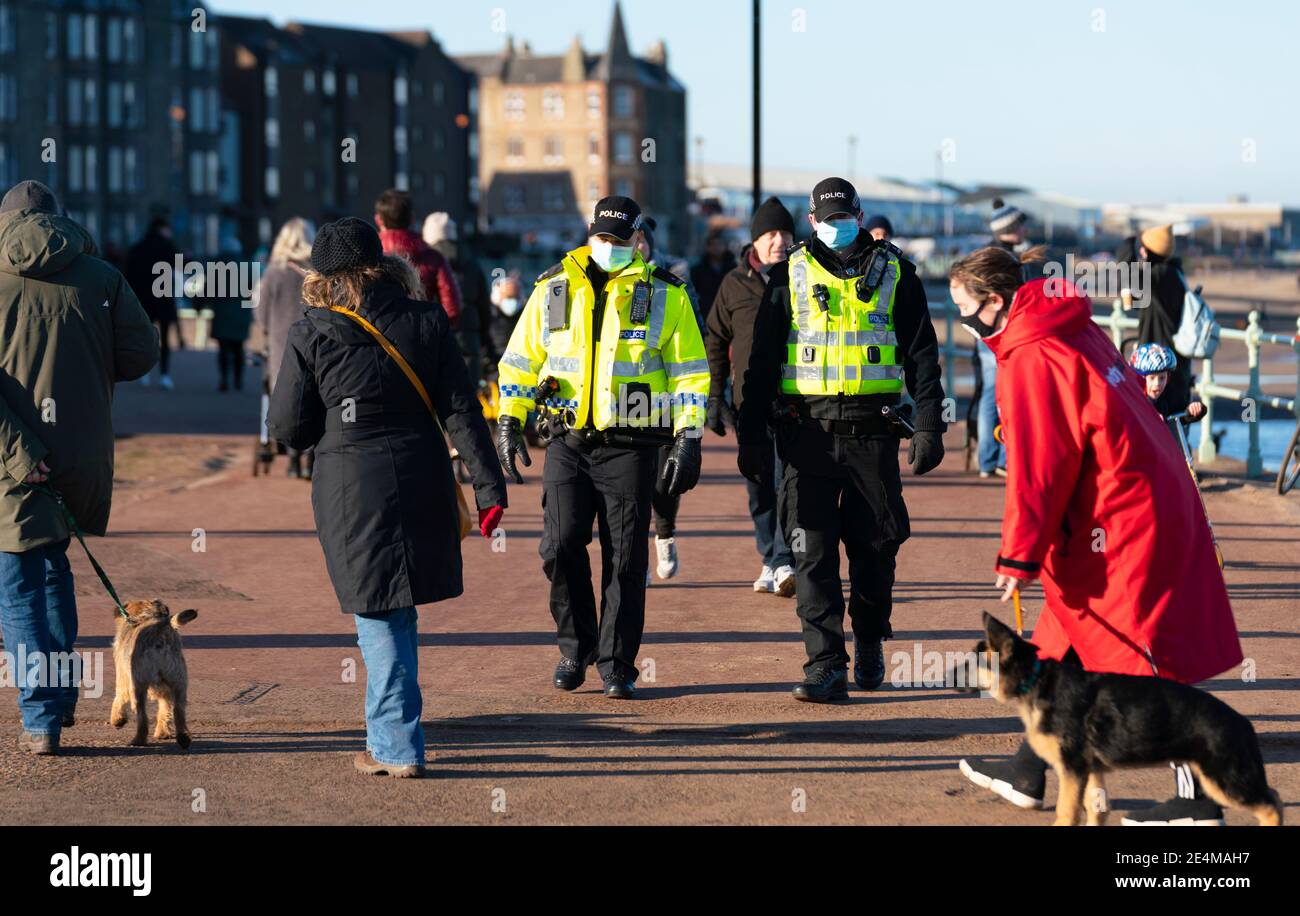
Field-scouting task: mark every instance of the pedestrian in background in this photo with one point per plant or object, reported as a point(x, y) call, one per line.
point(145, 263)
point(232, 317)
point(707, 274)
point(280, 304)
point(383, 494)
point(507, 301)
point(1161, 311)
point(879, 228)
point(73, 327)
point(441, 234)
point(393, 217)
point(730, 338)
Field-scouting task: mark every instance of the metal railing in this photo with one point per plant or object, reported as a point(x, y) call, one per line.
point(1253, 336)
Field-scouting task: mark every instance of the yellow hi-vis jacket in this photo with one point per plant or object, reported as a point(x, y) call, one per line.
point(849, 347)
point(646, 374)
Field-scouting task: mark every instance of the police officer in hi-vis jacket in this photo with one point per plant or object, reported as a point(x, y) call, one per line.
point(841, 325)
point(608, 351)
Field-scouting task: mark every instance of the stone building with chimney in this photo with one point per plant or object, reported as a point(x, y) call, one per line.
point(557, 133)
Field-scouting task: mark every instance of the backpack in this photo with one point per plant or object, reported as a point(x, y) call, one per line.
point(1197, 336)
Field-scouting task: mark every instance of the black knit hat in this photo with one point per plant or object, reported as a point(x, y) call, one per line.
point(771, 214)
point(346, 244)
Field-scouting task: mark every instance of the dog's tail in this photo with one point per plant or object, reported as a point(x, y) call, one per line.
point(184, 617)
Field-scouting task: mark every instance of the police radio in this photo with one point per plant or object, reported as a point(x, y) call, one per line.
point(872, 277)
point(640, 309)
point(822, 295)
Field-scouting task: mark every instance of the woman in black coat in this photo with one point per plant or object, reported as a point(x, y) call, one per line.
point(383, 492)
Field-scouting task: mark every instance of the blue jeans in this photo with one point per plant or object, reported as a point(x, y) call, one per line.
point(991, 456)
point(38, 617)
point(388, 641)
point(767, 523)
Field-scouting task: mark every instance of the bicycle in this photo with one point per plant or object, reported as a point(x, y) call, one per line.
point(1288, 473)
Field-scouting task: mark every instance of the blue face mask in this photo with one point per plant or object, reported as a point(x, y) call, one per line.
point(838, 233)
point(610, 257)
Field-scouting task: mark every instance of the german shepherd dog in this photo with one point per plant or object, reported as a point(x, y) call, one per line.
point(1086, 724)
point(149, 664)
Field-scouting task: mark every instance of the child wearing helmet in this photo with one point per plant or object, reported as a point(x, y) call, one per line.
point(1154, 362)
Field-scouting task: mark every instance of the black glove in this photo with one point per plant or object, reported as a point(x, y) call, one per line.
point(510, 443)
point(925, 451)
point(682, 466)
point(755, 462)
point(715, 421)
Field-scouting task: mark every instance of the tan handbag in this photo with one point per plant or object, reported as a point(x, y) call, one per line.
point(466, 517)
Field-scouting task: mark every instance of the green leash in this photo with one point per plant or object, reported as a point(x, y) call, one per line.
point(72, 526)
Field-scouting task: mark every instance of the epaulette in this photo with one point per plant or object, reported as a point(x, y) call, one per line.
point(550, 272)
point(667, 276)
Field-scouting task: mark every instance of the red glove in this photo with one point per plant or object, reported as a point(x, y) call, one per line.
point(489, 520)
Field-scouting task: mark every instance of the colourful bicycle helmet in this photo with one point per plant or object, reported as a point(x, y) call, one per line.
point(1151, 358)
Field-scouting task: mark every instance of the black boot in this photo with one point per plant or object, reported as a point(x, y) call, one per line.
point(569, 674)
point(620, 685)
point(1021, 780)
point(823, 685)
point(868, 663)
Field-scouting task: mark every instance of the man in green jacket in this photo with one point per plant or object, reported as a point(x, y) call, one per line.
point(71, 327)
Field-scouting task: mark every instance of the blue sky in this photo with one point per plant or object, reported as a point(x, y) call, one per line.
point(1140, 100)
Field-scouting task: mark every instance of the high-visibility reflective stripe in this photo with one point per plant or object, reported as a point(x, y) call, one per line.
point(516, 391)
point(650, 362)
point(517, 361)
point(832, 373)
point(886, 292)
point(563, 363)
point(690, 367)
point(658, 308)
point(843, 338)
point(799, 279)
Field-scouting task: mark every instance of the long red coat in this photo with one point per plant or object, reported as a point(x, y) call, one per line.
point(1100, 502)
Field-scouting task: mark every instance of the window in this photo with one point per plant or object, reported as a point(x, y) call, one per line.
point(514, 148)
point(472, 100)
point(512, 196)
point(196, 172)
point(5, 167)
point(514, 106)
point(92, 170)
point(74, 38)
point(309, 131)
point(309, 81)
point(354, 86)
point(440, 139)
point(214, 110)
point(214, 172)
point(271, 82)
point(198, 111)
point(75, 171)
point(131, 40)
point(92, 101)
point(129, 107)
point(51, 36)
point(553, 104)
point(272, 133)
point(401, 181)
point(625, 188)
point(593, 103)
point(623, 148)
point(6, 29)
point(131, 175)
point(399, 139)
point(8, 98)
point(327, 81)
point(114, 169)
point(114, 115)
point(439, 92)
point(92, 36)
point(552, 196)
point(196, 50)
point(553, 151)
point(272, 181)
point(75, 95)
point(593, 148)
point(623, 102)
point(399, 90)
point(113, 39)
point(473, 142)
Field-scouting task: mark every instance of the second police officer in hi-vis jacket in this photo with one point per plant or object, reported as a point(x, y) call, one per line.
point(609, 352)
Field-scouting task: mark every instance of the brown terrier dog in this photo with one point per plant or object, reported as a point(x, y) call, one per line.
point(149, 663)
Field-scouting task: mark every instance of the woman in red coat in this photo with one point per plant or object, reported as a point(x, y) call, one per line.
point(1099, 507)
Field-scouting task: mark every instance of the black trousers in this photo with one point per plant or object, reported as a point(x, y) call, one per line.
point(609, 486)
point(840, 489)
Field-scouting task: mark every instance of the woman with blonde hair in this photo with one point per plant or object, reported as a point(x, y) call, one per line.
point(279, 305)
point(370, 377)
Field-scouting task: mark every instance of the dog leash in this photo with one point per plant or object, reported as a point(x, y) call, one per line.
point(73, 527)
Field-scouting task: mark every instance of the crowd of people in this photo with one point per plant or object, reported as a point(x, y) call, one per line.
point(820, 355)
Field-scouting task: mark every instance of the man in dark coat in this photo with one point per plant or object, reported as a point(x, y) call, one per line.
point(144, 263)
point(730, 338)
point(71, 328)
point(383, 491)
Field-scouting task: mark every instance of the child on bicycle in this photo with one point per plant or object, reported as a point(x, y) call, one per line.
point(1154, 362)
